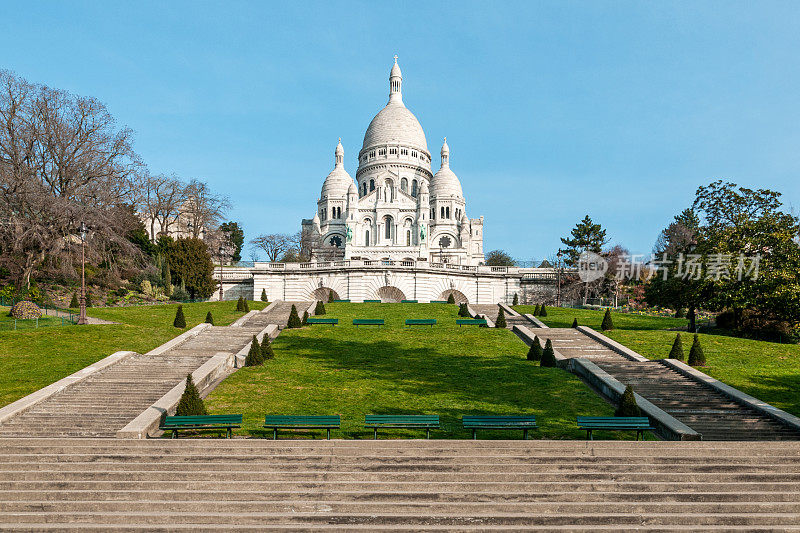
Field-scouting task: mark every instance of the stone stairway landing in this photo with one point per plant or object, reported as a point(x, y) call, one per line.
point(219, 485)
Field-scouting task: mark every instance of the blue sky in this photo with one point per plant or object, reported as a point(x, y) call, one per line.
point(552, 110)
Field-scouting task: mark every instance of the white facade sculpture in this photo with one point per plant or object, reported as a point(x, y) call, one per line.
point(396, 209)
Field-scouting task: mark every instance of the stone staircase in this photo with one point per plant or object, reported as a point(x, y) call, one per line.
point(107, 400)
point(216, 485)
point(277, 314)
point(707, 411)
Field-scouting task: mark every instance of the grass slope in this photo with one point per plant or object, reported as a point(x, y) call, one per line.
point(32, 359)
point(444, 370)
point(767, 370)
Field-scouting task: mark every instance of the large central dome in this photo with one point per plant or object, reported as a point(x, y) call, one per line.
point(395, 124)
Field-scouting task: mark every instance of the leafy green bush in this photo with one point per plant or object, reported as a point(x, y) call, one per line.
point(254, 357)
point(451, 299)
point(266, 349)
point(548, 355)
point(319, 309)
point(294, 319)
point(305, 318)
point(25, 310)
point(628, 406)
point(180, 320)
point(331, 297)
point(536, 310)
point(240, 304)
point(607, 324)
point(696, 355)
point(542, 311)
point(516, 299)
point(677, 349)
point(209, 318)
point(74, 303)
point(190, 404)
point(264, 295)
point(501, 319)
point(535, 351)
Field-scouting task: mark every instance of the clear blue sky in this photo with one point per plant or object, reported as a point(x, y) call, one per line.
point(552, 110)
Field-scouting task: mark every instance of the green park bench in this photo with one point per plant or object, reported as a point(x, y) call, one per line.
point(523, 422)
point(426, 422)
point(408, 301)
point(471, 321)
point(276, 422)
point(438, 301)
point(331, 321)
point(639, 424)
point(421, 322)
point(206, 422)
point(372, 301)
point(367, 322)
point(341, 301)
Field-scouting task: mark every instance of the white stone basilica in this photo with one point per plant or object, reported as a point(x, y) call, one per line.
point(397, 209)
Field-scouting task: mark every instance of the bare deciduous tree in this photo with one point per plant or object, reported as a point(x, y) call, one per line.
point(273, 244)
point(204, 209)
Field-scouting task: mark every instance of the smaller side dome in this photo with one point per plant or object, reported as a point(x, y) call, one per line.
point(445, 182)
point(338, 182)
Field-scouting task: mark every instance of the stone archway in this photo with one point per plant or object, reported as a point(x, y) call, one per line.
point(323, 293)
point(391, 294)
point(459, 296)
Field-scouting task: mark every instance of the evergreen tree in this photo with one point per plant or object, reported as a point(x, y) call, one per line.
point(677, 349)
point(209, 318)
point(330, 297)
point(88, 300)
point(240, 304)
point(627, 406)
point(535, 351)
point(254, 357)
point(190, 260)
point(305, 318)
point(501, 319)
point(246, 306)
point(266, 349)
point(462, 310)
point(180, 320)
point(607, 324)
point(451, 299)
point(319, 309)
point(74, 303)
point(542, 311)
point(516, 299)
point(586, 236)
point(536, 310)
point(190, 403)
point(575, 323)
point(548, 355)
point(264, 295)
point(167, 280)
point(696, 355)
point(294, 319)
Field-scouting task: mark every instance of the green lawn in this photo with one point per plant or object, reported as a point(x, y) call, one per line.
point(446, 370)
point(7, 322)
point(767, 370)
point(32, 359)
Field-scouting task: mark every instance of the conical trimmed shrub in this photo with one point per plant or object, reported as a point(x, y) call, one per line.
point(180, 320)
point(330, 297)
point(696, 355)
point(74, 303)
point(542, 311)
point(88, 300)
point(246, 307)
point(305, 318)
point(548, 355)
point(254, 357)
point(319, 309)
point(209, 318)
point(607, 324)
point(240, 304)
point(264, 295)
point(294, 319)
point(451, 299)
point(575, 323)
point(190, 404)
point(501, 319)
point(627, 406)
point(536, 310)
point(677, 348)
point(516, 299)
point(535, 351)
point(266, 349)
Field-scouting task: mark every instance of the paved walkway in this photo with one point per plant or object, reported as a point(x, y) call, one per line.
point(258, 484)
point(106, 401)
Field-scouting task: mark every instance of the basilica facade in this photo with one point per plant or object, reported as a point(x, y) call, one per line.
point(397, 208)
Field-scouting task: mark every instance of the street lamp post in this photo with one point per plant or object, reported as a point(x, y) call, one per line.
point(559, 255)
point(82, 316)
point(221, 251)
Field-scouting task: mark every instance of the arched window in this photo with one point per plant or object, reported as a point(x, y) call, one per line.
point(433, 213)
point(408, 237)
point(447, 212)
point(388, 229)
point(371, 185)
point(443, 212)
point(366, 238)
point(414, 188)
point(364, 189)
point(404, 185)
